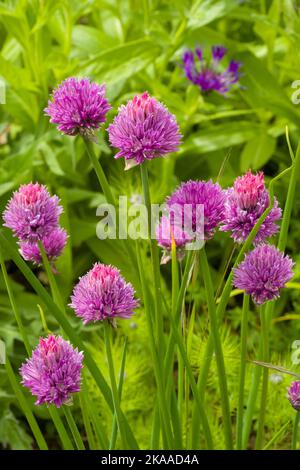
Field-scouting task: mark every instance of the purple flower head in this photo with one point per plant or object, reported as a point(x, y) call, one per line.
point(245, 203)
point(32, 213)
point(142, 130)
point(102, 294)
point(78, 106)
point(294, 395)
point(218, 52)
point(208, 74)
point(200, 194)
point(53, 244)
point(248, 189)
point(52, 373)
point(168, 232)
point(264, 271)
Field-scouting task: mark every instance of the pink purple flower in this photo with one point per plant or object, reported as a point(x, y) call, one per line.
point(208, 74)
point(245, 203)
point(78, 106)
point(294, 395)
point(167, 232)
point(32, 213)
point(53, 244)
point(199, 194)
point(142, 130)
point(264, 271)
point(52, 374)
point(103, 294)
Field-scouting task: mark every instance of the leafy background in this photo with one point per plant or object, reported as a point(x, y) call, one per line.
point(133, 46)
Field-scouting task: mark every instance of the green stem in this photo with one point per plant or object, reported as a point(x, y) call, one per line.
point(51, 278)
point(218, 348)
point(189, 436)
point(163, 408)
point(114, 389)
point(109, 197)
point(289, 204)
point(296, 431)
point(14, 306)
point(277, 435)
point(175, 338)
point(86, 420)
point(179, 303)
point(73, 428)
point(175, 290)
point(94, 415)
point(240, 408)
point(198, 399)
point(63, 435)
point(25, 407)
point(177, 307)
point(113, 438)
point(155, 432)
point(264, 393)
point(155, 262)
point(252, 399)
point(99, 172)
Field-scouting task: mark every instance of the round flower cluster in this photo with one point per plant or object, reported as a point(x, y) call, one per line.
point(78, 106)
point(193, 212)
point(53, 372)
point(33, 216)
point(294, 395)
point(208, 74)
point(246, 201)
point(264, 271)
point(143, 129)
point(103, 294)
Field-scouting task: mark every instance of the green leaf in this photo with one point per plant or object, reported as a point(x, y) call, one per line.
point(17, 77)
point(50, 158)
point(89, 40)
point(206, 11)
point(221, 136)
point(122, 62)
point(262, 88)
point(12, 434)
point(257, 152)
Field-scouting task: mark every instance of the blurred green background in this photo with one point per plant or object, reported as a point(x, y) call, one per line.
point(134, 46)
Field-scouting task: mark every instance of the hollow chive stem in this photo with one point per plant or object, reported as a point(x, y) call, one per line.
point(214, 325)
point(242, 373)
point(14, 306)
point(114, 389)
point(154, 261)
point(264, 393)
point(99, 172)
point(51, 278)
point(73, 428)
point(296, 431)
point(164, 414)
